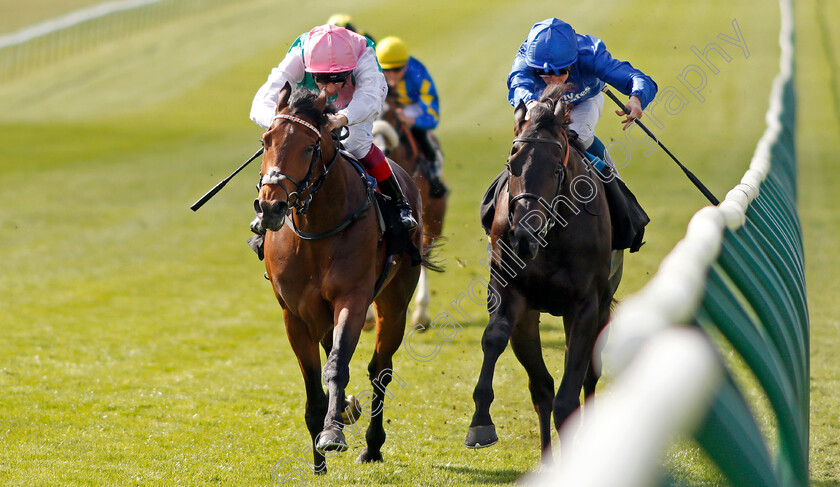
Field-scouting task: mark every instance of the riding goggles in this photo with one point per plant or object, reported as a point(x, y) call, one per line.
point(542, 72)
point(327, 78)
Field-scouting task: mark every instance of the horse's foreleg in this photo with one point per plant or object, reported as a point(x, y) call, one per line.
point(526, 345)
point(482, 431)
point(590, 380)
point(349, 318)
point(582, 327)
point(309, 358)
point(421, 312)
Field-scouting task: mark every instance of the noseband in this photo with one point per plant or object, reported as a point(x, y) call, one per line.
point(294, 198)
point(562, 169)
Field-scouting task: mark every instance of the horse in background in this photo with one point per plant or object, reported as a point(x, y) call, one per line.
point(327, 262)
point(550, 251)
point(394, 138)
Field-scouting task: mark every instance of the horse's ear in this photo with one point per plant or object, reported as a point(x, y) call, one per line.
point(519, 116)
point(283, 101)
point(560, 111)
point(321, 101)
point(520, 112)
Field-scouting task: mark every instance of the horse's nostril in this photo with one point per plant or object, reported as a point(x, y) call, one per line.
point(279, 208)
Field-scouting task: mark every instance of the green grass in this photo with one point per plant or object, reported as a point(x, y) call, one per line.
point(19, 15)
point(141, 343)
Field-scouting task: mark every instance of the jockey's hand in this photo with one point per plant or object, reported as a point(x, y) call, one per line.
point(635, 106)
point(405, 118)
point(335, 121)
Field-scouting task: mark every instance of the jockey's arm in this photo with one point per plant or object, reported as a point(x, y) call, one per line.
point(424, 112)
point(521, 82)
point(625, 78)
point(291, 70)
point(370, 91)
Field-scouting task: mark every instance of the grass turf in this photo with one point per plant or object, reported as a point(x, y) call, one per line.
point(141, 343)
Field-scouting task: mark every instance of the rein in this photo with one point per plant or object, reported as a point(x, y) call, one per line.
point(274, 176)
point(540, 140)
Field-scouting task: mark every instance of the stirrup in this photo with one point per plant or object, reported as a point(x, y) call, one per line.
point(406, 218)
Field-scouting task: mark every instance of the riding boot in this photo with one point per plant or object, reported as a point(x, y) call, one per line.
point(257, 241)
point(432, 163)
point(391, 188)
point(257, 227)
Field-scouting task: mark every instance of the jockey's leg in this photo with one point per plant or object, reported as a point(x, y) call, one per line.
point(584, 116)
point(376, 165)
point(359, 142)
point(430, 150)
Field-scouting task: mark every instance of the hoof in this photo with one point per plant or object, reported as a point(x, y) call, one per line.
point(367, 457)
point(481, 436)
point(352, 409)
point(331, 440)
point(422, 318)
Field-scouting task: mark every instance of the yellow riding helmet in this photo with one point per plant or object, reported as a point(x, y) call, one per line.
point(342, 20)
point(392, 53)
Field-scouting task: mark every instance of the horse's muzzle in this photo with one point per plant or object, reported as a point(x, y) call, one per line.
point(272, 214)
point(524, 243)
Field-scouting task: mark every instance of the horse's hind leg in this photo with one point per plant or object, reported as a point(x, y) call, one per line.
point(582, 327)
point(525, 343)
point(421, 314)
point(590, 380)
point(433, 211)
point(482, 431)
point(309, 358)
point(391, 306)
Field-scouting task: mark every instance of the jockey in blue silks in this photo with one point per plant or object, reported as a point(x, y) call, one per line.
point(554, 53)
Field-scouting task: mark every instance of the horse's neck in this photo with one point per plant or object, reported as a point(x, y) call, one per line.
point(329, 204)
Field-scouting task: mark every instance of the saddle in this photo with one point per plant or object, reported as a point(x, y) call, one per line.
point(397, 238)
point(627, 216)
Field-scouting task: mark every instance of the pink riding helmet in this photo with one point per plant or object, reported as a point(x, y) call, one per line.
point(332, 49)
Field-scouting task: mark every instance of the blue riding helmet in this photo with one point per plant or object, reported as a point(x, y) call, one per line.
point(551, 46)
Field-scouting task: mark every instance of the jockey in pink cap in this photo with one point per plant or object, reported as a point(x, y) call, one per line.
point(343, 65)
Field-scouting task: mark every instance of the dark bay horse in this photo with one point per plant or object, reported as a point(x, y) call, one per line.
point(394, 138)
point(325, 262)
point(550, 246)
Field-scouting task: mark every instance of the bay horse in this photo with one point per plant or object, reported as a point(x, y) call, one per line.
point(550, 251)
point(394, 138)
point(325, 258)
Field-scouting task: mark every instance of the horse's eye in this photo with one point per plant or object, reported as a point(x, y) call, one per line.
point(309, 150)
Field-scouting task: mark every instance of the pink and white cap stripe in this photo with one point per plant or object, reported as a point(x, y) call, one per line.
point(332, 49)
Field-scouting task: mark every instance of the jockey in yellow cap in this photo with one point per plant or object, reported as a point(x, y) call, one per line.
point(410, 81)
point(344, 20)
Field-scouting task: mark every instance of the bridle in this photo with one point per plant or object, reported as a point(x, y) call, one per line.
point(561, 179)
point(294, 198)
point(274, 176)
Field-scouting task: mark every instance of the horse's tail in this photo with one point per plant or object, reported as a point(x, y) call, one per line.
point(429, 256)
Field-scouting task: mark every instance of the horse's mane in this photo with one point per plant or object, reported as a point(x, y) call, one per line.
point(542, 114)
point(302, 102)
